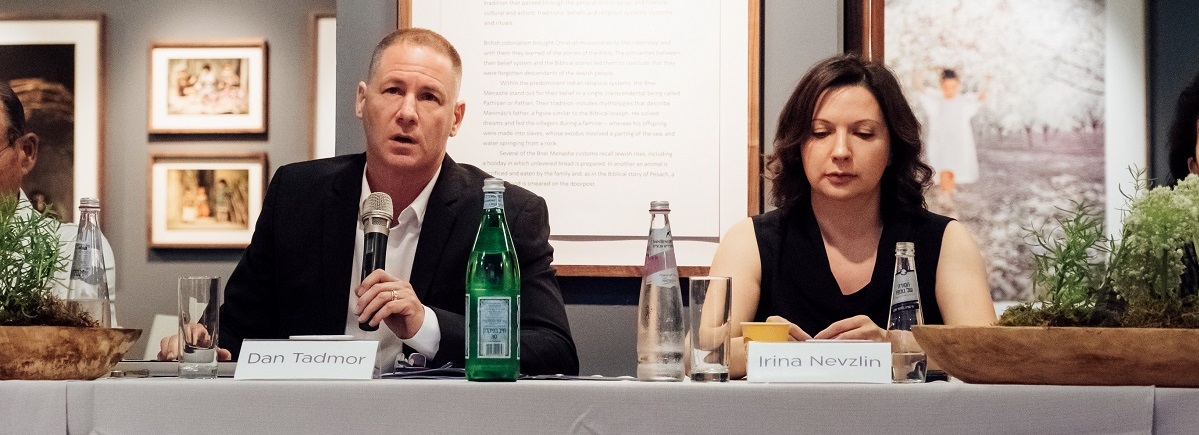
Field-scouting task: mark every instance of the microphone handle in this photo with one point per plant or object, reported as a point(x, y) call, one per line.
point(374, 256)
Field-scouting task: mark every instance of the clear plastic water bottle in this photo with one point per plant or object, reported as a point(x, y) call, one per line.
point(908, 362)
point(660, 324)
point(88, 289)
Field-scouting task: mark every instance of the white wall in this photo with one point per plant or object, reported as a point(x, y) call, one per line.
point(1127, 120)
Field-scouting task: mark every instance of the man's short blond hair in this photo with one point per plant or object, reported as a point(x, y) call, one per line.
point(421, 38)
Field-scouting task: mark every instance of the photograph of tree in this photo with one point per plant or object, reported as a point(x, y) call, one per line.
point(1011, 98)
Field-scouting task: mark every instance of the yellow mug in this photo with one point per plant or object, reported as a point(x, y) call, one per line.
point(765, 331)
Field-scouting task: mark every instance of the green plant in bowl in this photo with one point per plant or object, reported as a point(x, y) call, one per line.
point(1084, 278)
point(42, 337)
point(30, 256)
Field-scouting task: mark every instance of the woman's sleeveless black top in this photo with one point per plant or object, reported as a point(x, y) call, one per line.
point(798, 284)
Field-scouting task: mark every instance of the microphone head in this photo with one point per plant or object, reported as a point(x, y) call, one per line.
point(376, 210)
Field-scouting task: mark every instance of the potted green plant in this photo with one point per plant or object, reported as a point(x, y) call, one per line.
point(41, 336)
point(1109, 311)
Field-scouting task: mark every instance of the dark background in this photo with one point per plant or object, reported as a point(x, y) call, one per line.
point(1173, 50)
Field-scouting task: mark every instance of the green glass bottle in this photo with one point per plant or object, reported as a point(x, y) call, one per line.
point(493, 295)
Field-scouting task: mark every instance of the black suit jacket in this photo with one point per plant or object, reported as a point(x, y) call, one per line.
point(293, 278)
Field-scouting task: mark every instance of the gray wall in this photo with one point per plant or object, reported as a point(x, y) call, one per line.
point(372, 20)
point(146, 278)
point(796, 35)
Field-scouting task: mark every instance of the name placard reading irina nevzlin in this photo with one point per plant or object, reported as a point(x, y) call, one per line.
point(819, 361)
point(306, 359)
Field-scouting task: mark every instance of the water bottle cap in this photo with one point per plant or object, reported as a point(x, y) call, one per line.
point(89, 203)
point(905, 248)
point(493, 185)
point(659, 206)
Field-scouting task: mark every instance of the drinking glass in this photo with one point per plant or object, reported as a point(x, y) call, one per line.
point(199, 315)
point(709, 327)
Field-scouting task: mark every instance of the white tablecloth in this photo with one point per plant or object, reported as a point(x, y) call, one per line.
point(1176, 411)
point(167, 405)
point(33, 407)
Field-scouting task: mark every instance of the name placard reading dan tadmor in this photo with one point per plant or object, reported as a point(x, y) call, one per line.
point(819, 361)
point(306, 359)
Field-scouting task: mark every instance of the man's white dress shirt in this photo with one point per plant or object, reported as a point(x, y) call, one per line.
point(401, 251)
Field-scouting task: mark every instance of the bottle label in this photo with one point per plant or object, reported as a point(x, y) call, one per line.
point(905, 297)
point(905, 288)
point(660, 266)
point(80, 264)
point(495, 328)
point(904, 315)
point(905, 309)
point(493, 200)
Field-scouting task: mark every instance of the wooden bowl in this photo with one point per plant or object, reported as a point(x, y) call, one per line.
point(62, 352)
point(1064, 356)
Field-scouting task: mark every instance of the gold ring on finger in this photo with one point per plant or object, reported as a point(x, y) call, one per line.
point(395, 295)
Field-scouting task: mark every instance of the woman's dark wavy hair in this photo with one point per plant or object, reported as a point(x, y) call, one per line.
point(906, 177)
point(1182, 131)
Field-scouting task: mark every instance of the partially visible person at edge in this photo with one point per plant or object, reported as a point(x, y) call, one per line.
point(848, 183)
point(18, 156)
point(300, 273)
point(1184, 152)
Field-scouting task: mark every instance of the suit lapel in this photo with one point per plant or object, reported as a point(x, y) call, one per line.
point(441, 216)
point(339, 211)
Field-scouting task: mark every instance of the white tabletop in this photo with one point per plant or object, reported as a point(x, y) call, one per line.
point(33, 407)
point(168, 405)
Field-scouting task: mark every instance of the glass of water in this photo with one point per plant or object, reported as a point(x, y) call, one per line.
point(908, 362)
point(709, 322)
point(199, 309)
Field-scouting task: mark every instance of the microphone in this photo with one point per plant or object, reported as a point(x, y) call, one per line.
point(376, 218)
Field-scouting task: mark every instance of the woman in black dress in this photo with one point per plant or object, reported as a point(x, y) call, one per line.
point(848, 183)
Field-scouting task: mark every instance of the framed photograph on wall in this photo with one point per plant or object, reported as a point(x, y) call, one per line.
point(1026, 108)
point(205, 200)
point(56, 68)
point(208, 87)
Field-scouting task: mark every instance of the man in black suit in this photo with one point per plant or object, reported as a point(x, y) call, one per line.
point(298, 276)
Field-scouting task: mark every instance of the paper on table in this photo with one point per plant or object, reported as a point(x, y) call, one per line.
point(322, 337)
point(835, 340)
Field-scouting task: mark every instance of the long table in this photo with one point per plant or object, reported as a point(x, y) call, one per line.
point(169, 405)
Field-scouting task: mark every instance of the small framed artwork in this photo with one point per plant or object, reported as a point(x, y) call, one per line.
point(205, 200)
point(55, 66)
point(217, 87)
point(324, 78)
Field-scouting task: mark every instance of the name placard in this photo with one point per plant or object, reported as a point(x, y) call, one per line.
point(819, 361)
point(306, 359)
